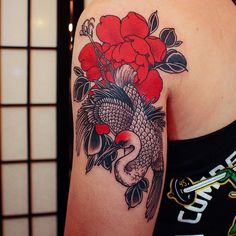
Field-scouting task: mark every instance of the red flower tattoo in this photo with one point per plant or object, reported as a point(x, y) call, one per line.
point(125, 41)
point(129, 41)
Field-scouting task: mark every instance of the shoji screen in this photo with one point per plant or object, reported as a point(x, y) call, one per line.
point(28, 99)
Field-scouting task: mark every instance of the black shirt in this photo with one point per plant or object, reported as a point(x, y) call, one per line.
point(194, 206)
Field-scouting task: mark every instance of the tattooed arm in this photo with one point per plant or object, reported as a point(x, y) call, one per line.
point(119, 106)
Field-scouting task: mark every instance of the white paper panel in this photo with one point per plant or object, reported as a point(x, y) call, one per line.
point(44, 23)
point(14, 76)
point(14, 189)
point(14, 133)
point(13, 22)
point(17, 227)
point(45, 226)
point(44, 187)
point(43, 76)
point(43, 126)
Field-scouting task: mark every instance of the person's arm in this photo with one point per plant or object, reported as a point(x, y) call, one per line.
point(119, 104)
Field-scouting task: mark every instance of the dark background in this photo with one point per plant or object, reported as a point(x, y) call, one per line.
point(67, 13)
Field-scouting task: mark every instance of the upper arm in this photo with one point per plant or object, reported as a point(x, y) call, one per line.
point(119, 108)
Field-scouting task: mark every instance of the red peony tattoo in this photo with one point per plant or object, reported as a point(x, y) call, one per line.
point(129, 41)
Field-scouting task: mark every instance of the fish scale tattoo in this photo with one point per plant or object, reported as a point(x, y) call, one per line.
point(117, 85)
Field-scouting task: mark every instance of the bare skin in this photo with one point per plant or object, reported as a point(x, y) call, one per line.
point(196, 102)
point(210, 85)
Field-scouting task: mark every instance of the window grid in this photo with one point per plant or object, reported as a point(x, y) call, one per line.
point(26, 47)
point(28, 105)
point(67, 12)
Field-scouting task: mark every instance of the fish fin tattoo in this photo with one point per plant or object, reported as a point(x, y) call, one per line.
point(118, 83)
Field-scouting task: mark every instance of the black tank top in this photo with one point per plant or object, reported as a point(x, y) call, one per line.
point(199, 197)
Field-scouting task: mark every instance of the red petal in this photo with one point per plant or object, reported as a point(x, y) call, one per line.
point(117, 64)
point(102, 128)
point(109, 76)
point(142, 47)
point(127, 53)
point(105, 47)
point(91, 92)
point(116, 53)
point(135, 67)
point(158, 48)
point(109, 52)
point(93, 73)
point(143, 67)
point(124, 53)
point(134, 24)
point(142, 73)
point(87, 56)
point(108, 30)
point(151, 88)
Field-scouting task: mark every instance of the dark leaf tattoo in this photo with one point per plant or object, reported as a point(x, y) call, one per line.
point(153, 22)
point(110, 156)
point(78, 71)
point(178, 43)
point(174, 62)
point(90, 163)
point(143, 185)
point(118, 125)
point(169, 37)
point(94, 143)
point(134, 194)
point(81, 88)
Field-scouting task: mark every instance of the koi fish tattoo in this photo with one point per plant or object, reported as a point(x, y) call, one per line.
point(118, 83)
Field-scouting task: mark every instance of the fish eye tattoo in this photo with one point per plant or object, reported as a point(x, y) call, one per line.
point(118, 83)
